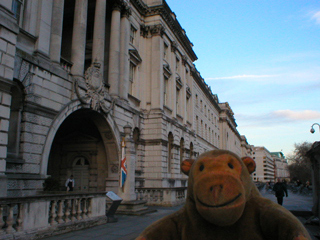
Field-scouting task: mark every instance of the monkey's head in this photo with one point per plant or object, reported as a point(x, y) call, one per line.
point(219, 185)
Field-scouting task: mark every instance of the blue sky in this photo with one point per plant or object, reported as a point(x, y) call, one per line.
point(263, 57)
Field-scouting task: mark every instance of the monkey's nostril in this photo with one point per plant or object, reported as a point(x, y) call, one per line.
point(211, 189)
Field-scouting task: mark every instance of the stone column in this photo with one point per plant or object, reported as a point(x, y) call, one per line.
point(124, 54)
point(128, 191)
point(157, 66)
point(114, 52)
point(99, 33)
point(79, 37)
point(183, 93)
point(56, 30)
point(43, 31)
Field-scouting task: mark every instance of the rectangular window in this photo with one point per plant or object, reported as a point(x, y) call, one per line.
point(165, 51)
point(17, 9)
point(131, 77)
point(177, 101)
point(177, 65)
point(132, 34)
point(165, 91)
point(188, 106)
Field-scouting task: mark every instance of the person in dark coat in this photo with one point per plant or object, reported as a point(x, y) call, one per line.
point(280, 190)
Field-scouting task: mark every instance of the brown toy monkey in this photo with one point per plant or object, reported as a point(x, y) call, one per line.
point(223, 203)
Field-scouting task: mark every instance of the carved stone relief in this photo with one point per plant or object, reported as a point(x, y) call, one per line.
point(93, 91)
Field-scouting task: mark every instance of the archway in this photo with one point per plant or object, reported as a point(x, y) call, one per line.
point(85, 147)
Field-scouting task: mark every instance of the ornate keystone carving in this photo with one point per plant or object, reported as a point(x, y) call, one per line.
point(184, 59)
point(144, 30)
point(174, 46)
point(157, 30)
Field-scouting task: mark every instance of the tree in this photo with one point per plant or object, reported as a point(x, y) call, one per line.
point(299, 164)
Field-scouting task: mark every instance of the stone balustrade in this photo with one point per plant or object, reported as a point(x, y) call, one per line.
point(65, 64)
point(42, 215)
point(162, 196)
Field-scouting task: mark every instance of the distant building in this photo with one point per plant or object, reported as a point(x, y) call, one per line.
point(281, 166)
point(265, 169)
point(246, 148)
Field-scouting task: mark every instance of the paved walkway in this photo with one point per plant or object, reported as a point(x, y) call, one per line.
point(129, 227)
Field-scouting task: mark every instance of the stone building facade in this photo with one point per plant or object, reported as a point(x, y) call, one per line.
point(281, 166)
point(74, 74)
point(265, 166)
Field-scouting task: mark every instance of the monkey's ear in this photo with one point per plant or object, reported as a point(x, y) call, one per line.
point(250, 164)
point(186, 166)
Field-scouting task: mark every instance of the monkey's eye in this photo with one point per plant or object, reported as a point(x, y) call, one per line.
point(201, 167)
point(230, 165)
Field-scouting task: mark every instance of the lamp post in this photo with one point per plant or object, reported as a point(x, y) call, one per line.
point(312, 129)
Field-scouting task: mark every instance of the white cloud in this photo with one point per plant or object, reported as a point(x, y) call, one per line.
point(242, 76)
point(297, 115)
point(316, 17)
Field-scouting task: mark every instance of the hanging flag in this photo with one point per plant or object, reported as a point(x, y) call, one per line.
point(123, 166)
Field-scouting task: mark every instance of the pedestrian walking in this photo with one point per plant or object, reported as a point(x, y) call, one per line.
point(307, 184)
point(280, 190)
point(70, 183)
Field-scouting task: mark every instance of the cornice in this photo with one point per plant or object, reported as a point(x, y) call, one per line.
point(204, 87)
point(140, 6)
point(165, 12)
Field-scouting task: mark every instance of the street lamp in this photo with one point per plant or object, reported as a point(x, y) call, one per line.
point(312, 129)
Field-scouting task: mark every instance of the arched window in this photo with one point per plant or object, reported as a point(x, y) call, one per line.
point(191, 150)
point(201, 130)
point(181, 151)
point(197, 125)
point(136, 138)
point(205, 132)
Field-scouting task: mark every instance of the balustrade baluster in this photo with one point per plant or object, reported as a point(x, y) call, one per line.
point(1, 219)
point(79, 211)
point(10, 228)
point(60, 211)
point(89, 207)
point(53, 213)
point(155, 196)
point(84, 211)
point(74, 212)
point(67, 211)
point(19, 217)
